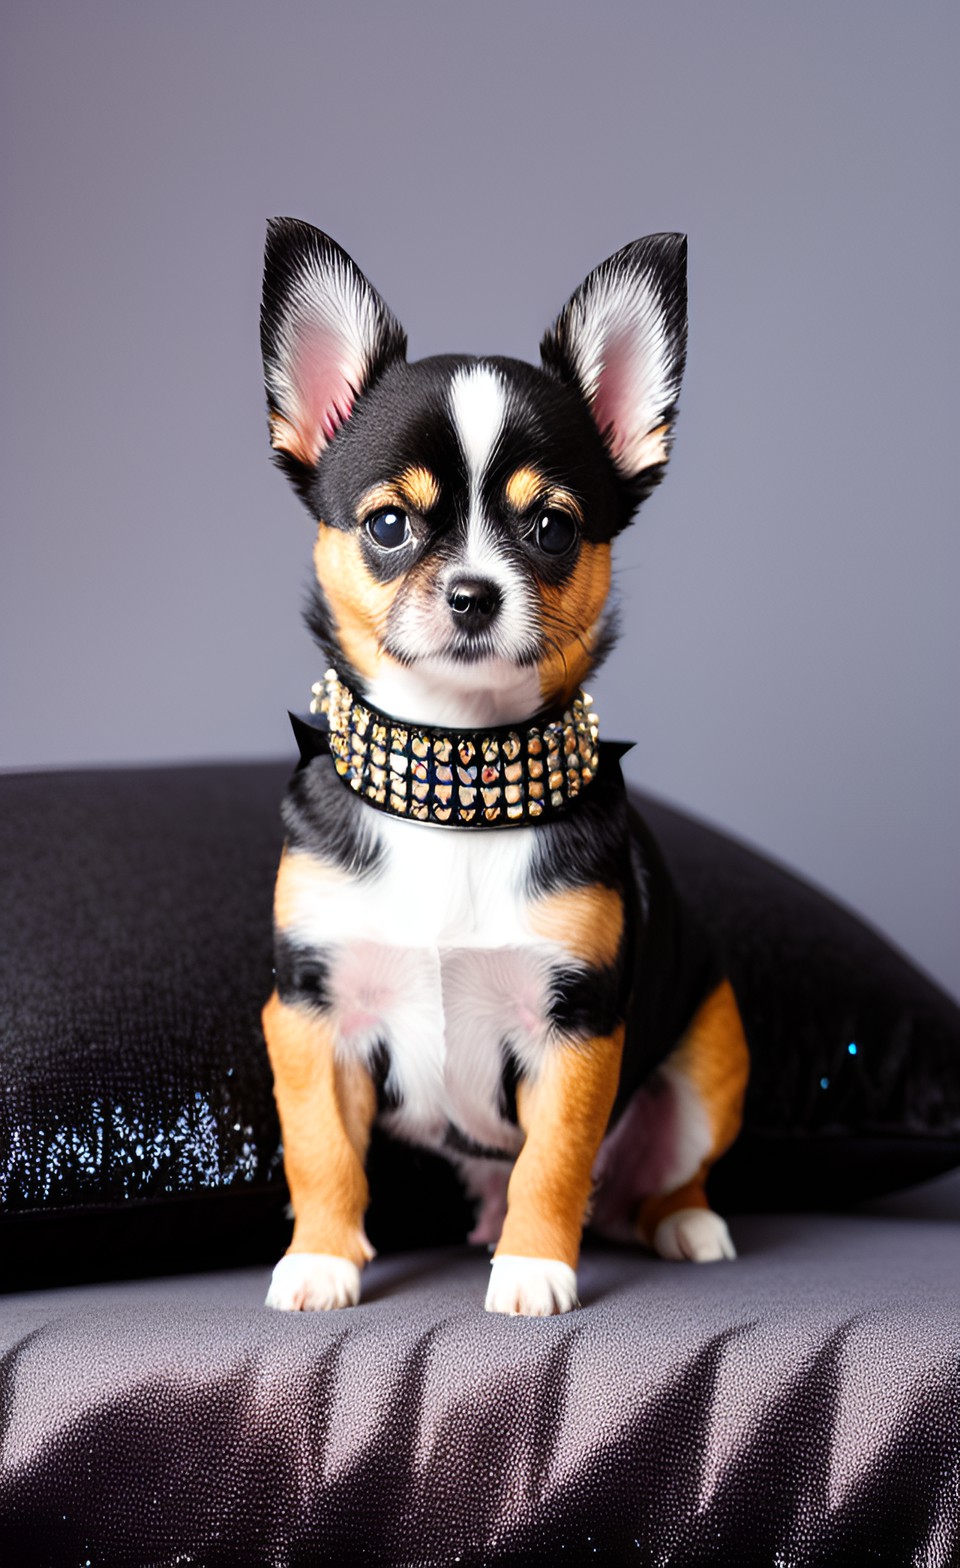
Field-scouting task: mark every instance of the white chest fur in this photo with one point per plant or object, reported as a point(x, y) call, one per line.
point(434, 957)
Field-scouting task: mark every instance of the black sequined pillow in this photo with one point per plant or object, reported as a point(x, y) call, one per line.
point(137, 1127)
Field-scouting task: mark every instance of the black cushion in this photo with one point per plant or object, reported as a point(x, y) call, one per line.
point(137, 1127)
point(855, 1052)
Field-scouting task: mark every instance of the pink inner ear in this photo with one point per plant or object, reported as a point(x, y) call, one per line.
point(324, 384)
point(614, 394)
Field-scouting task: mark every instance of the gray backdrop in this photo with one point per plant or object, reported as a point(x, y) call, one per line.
point(789, 659)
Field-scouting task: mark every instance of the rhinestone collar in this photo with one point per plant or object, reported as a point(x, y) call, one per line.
point(455, 777)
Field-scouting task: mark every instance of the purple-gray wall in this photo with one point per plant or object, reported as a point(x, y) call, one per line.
point(789, 664)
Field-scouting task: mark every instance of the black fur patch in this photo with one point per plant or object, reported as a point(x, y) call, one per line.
point(586, 1003)
point(327, 820)
point(589, 844)
point(323, 628)
point(509, 1078)
point(459, 1143)
point(388, 1098)
point(303, 975)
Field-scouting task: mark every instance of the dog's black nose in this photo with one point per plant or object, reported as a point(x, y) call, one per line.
point(475, 601)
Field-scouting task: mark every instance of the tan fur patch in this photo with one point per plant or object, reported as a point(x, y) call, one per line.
point(586, 921)
point(299, 879)
point(379, 498)
point(714, 1057)
point(286, 437)
point(527, 485)
point(421, 488)
point(415, 490)
point(652, 449)
point(359, 604)
point(651, 1211)
point(713, 1054)
point(564, 1113)
point(569, 614)
point(523, 487)
point(326, 1111)
point(357, 1098)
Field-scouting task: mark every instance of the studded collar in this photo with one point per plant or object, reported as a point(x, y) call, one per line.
point(496, 777)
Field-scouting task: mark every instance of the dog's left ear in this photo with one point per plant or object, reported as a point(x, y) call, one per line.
point(326, 335)
point(621, 340)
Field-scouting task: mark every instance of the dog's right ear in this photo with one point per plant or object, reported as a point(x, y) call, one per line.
point(326, 335)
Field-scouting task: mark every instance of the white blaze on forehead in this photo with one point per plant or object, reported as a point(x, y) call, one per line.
point(478, 403)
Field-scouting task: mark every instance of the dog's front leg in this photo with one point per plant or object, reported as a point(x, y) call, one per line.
point(564, 1113)
point(326, 1110)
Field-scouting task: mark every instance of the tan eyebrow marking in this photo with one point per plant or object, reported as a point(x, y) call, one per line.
point(527, 485)
point(523, 488)
point(416, 489)
point(378, 497)
point(420, 487)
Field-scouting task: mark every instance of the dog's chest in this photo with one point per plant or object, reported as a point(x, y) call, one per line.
point(452, 888)
point(433, 958)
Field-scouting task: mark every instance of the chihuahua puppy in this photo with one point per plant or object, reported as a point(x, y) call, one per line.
point(477, 942)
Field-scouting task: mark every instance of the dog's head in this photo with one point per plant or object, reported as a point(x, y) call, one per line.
point(465, 506)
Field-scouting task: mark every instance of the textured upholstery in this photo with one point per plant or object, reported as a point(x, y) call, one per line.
point(797, 1407)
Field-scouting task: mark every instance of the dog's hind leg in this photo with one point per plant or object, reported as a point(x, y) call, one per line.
point(681, 1225)
point(708, 1072)
point(654, 1164)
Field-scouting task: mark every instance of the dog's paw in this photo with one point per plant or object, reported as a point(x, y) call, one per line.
point(313, 1282)
point(697, 1235)
point(531, 1287)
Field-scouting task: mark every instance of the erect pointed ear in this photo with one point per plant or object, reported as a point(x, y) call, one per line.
point(622, 340)
point(326, 335)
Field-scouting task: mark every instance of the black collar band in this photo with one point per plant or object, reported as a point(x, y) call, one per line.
point(486, 778)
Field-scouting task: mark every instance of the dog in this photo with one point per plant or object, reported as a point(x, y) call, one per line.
point(477, 943)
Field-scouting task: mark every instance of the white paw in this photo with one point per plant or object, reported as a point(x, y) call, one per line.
point(698, 1235)
point(313, 1282)
point(531, 1287)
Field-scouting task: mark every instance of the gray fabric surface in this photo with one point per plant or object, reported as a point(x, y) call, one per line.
point(799, 1406)
point(933, 1200)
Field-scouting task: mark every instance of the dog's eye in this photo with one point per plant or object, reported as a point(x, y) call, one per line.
point(556, 532)
point(389, 528)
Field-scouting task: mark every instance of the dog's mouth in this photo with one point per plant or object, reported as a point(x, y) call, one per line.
point(482, 648)
point(461, 651)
